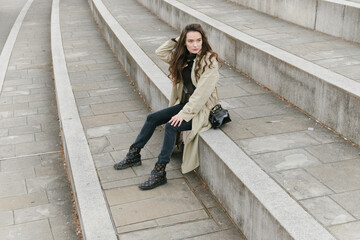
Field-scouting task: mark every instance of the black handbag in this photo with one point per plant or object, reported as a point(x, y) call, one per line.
point(218, 115)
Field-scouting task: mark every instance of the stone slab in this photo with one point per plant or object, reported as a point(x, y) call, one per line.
point(39, 230)
point(327, 211)
point(300, 184)
point(335, 175)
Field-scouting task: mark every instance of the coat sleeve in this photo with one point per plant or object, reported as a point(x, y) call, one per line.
point(165, 51)
point(205, 86)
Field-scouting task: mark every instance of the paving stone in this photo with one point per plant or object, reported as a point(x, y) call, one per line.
point(37, 147)
point(120, 97)
point(13, 122)
point(40, 184)
point(116, 107)
point(192, 179)
point(137, 226)
point(107, 130)
point(6, 218)
point(89, 101)
point(288, 159)
point(18, 174)
point(336, 175)
point(173, 198)
point(334, 152)
point(230, 92)
point(4, 132)
point(327, 211)
point(85, 111)
point(11, 140)
point(180, 231)
point(204, 195)
point(63, 227)
point(12, 188)
point(100, 120)
point(348, 231)
point(25, 130)
point(50, 170)
point(263, 110)
point(122, 141)
point(182, 218)
point(349, 201)
point(137, 115)
point(300, 184)
point(230, 234)
point(41, 118)
point(103, 160)
point(25, 112)
point(59, 194)
point(276, 142)
point(49, 210)
point(6, 114)
point(324, 135)
point(99, 145)
point(23, 201)
point(220, 217)
point(109, 174)
point(39, 230)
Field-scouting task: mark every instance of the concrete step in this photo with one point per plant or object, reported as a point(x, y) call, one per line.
point(292, 66)
point(339, 18)
point(101, 113)
point(253, 198)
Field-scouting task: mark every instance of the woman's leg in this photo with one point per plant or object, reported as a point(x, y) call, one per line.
point(133, 157)
point(158, 174)
point(170, 140)
point(152, 121)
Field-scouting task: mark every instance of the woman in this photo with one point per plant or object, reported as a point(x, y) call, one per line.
point(194, 72)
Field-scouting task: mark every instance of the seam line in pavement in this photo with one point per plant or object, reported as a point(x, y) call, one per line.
point(30, 155)
point(10, 42)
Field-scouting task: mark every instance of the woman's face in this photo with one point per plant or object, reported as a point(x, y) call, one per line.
point(193, 42)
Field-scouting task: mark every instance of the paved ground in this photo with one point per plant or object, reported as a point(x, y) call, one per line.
point(9, 10)
point(333, 53)
point(112, 113)
point(35, 198)
point(316, 167)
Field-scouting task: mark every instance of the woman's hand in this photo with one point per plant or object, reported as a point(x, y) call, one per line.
point(176, 120)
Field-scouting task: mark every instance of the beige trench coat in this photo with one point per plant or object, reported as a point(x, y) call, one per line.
point(199, 105)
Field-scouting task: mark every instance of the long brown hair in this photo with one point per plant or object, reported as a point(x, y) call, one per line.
point(178, 60)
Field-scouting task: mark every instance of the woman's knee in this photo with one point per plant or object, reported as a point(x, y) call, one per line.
point(168, 127)
point(151, 118)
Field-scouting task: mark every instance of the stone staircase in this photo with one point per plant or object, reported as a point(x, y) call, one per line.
point(277, 169)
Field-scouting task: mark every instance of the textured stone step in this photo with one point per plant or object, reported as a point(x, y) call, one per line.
point(339, 18)
point(251, 197)
point(330, 97)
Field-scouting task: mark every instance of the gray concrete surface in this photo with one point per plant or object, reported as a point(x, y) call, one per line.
point(285, 133)
point(9, 11)
point(91, 206)
point(323, 93)
point(338, 18)
point(35, 197)
point(111, 113)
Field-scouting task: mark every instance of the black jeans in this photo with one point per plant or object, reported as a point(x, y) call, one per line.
point(158, 118)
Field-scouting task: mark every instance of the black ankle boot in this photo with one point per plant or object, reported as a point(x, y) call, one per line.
point(157, 177)
point(132, 158)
